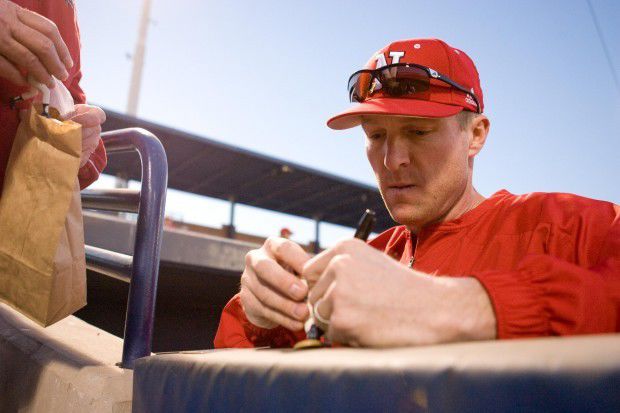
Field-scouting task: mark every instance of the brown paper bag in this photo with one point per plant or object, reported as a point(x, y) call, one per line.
point(42, 264)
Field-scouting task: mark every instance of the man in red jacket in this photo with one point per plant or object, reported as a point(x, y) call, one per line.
point(42, 39)
point(461, 266)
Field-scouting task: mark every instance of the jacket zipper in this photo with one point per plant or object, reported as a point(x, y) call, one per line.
point(414, 247)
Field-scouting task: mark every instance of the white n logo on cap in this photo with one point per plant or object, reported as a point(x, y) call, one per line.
point(396, 56)
point(380, 58)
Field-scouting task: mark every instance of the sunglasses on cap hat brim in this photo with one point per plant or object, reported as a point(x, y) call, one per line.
point(398, 80)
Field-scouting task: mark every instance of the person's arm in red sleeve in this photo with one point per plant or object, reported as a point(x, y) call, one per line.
point(90, 172)
point(551, 295)
point(94, 158)
point(270, 309)
point(235, 331)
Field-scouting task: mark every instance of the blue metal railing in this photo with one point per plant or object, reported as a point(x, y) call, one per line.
point(142, 269)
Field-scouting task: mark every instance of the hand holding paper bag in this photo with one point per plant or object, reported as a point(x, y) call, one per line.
point(61, 103)
point(42, 264)
point(91, 118)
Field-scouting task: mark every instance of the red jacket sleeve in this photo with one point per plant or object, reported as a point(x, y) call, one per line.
point(574, 289)
point(91, 170)
point(63, 14)
point(236, 331)
point(93, 167)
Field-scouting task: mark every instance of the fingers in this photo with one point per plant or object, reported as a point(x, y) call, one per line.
point(22, 57)
point(90, 141)
point(287, 252)
point(325, 305)
point(90, 137)
point(314, 268)
point(11, 73)
point(253, 309)
point(271, 294)
point(270, 273)
point(91, 118)
point(43, 47)
point(88, 116)
point(273, 306)
point(295, 310)
point(337, 329)
point(32, 43)
point(252, 305)
point(49, 30)
point(327, 279)
point(340, 328)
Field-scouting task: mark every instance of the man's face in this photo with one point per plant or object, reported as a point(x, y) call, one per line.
point(421, 165)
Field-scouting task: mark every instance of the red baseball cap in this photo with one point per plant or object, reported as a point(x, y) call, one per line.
point(441, 100)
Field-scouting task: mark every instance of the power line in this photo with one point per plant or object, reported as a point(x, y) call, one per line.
point(604, 45)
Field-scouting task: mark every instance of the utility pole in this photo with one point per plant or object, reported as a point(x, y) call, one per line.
point(138, 60)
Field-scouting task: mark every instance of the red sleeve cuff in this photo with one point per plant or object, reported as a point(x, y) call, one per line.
point(278, 337)
point(547, 296)
point(518, 303)
point(90, 172)
point(236, 331)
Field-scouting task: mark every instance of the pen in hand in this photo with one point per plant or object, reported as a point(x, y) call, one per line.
point(364, 227)
point(314, 332)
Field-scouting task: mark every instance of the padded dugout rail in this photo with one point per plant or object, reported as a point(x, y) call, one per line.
point(552, 375)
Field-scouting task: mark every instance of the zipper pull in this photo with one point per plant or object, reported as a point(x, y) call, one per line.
point(411, 262)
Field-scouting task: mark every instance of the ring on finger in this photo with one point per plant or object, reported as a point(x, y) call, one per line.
point(317, 316)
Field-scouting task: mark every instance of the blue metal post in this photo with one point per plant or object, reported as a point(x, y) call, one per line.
point(145, 269)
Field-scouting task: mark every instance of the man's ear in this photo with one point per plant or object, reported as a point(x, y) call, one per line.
point(478, 130)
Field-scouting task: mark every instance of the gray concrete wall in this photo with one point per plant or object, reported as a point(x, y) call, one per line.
point(178, 246)
point(67, 367)
point(198, 275)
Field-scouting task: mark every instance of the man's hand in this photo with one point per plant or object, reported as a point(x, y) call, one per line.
point(271, 293)
point(32, 43)
point(372, 300)
point(91, 118)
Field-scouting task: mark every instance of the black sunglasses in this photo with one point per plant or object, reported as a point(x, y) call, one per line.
point(396, 80)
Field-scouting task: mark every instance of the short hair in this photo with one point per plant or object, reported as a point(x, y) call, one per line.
point(464, 118)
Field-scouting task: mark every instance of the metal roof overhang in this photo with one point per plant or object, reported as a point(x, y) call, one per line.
point(206, 167)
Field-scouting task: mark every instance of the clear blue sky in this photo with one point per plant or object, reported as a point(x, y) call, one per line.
point(266, 76)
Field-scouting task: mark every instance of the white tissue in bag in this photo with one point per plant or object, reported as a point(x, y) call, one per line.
point(61, 99)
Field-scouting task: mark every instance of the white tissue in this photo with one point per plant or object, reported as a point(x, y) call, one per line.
point(61, 99)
